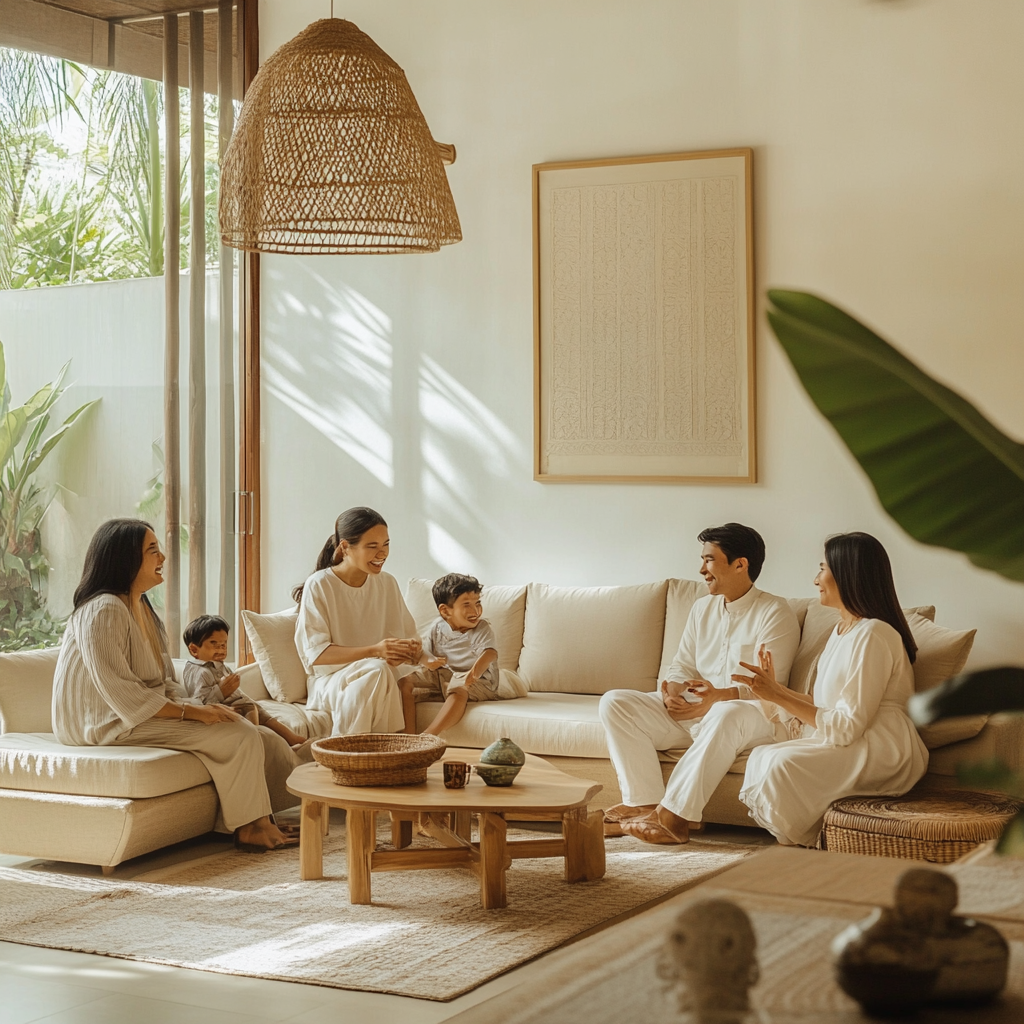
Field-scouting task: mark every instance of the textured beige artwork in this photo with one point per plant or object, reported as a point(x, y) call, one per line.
point(644, 319)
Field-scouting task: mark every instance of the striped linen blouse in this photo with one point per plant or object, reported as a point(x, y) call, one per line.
point(108, 679)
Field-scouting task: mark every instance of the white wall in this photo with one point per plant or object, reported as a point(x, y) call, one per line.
point(888, 156)
point(112, 332)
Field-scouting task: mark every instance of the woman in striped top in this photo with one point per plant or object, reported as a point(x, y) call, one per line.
point(114, 685)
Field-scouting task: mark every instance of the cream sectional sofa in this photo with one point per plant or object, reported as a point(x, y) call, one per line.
point(560, 648)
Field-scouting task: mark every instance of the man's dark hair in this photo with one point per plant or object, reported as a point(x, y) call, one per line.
point(737, 541)
point(202, 627)
point(450, 588)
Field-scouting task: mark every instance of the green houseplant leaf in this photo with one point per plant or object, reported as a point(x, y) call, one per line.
point(984, 692)
point(946, 474)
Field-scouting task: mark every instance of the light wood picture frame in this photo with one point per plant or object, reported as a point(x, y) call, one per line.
point(644, 319)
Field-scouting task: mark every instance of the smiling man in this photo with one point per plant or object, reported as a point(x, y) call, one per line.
point(728, 626)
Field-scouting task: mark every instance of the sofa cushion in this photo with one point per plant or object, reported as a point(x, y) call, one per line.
point(39, 763)
point(564, 724)
point(816, 623)
point(941, 653)
point(273, 644)
point(504, 608)
point(298, 718)
point(26, 690)
point(593, 639)
point(951, 730)
point(678, 602)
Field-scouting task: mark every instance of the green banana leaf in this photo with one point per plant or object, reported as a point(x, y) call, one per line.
point(986, 691)
point(946, 474)
point(37, 458)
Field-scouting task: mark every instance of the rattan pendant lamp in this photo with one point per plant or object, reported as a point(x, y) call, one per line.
point(332, 154)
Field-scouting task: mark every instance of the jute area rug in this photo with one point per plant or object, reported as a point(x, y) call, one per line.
point(425, 935)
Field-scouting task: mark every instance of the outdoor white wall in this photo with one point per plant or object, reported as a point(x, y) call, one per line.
point(887, 167)
point(113, 334)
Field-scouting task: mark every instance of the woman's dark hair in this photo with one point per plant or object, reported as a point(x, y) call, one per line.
point(350, 526)
point(737, 541)
point(860, 566)
point(112, 561)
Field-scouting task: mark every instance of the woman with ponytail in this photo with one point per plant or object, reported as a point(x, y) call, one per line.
point(355, 636)
point(850, 736)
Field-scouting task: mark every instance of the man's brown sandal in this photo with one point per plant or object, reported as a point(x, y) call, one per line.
point(650, 829)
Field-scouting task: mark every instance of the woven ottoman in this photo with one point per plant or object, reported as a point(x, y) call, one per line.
point(938, 826)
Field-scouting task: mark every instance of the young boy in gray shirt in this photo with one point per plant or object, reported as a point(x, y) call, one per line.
point(208, 680)
point(460, 652)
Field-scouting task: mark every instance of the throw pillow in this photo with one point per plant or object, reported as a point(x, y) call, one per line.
point(273, 643)
point(941, 653)
point(593, 639)
point(680, 599)
point(504, 609)
point(952, 730)
point(26, 689)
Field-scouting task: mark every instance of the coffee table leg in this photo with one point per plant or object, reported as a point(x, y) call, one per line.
point(401, 831)
point(584, 845)
point(493, 861)
point(311, 840)
point(463, 824)
point(361, 841)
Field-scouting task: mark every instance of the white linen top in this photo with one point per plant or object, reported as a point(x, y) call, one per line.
point(332, 612)
point(718, 636)
point(463, 649)
point(108, 679)
point(863, 676)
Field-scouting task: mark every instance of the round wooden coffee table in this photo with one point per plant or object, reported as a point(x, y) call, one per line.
point(540, 792)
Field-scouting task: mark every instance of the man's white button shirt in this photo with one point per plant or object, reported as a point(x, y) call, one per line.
point(718, 636)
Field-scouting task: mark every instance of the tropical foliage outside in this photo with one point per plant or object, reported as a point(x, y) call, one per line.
point(25, 620)
point(81, 173)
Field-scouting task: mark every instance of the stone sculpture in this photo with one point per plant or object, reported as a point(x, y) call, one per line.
point(919, 952)
point(709, 960)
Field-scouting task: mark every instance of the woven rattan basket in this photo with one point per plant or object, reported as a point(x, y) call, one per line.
point(378, 758)
point(939, 826)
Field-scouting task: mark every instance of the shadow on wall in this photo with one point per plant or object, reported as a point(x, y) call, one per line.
point(350, 371)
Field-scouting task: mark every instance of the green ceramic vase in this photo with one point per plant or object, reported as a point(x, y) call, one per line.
point(503, 751)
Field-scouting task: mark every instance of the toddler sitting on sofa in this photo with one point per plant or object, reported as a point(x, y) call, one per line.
point(460, 653)
point(208, 680)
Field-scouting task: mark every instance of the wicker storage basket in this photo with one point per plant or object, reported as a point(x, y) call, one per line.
point(378, 758)
point(939, 826)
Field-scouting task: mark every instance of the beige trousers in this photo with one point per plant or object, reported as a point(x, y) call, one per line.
point(248, 764)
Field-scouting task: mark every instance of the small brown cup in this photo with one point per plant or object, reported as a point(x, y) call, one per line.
point(456, 774)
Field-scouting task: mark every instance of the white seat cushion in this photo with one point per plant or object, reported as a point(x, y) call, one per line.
point(39, 763)
point(564, 724)
point(298, 718)
point(273, 645)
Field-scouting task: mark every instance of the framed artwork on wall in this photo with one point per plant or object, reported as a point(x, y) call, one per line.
point(644, 319)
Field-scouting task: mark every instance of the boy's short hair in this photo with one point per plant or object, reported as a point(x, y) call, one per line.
point(202, 627)
point(450, 588)
point(737, 541)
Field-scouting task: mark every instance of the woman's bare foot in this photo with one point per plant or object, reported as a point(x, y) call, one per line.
point(262, 835)
point(661, 827)
point(623, 812)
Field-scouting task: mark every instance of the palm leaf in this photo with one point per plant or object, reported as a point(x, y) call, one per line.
point(946, 474)
point(54, 438)
point(986, 691)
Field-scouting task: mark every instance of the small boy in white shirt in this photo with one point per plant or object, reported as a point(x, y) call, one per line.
point(208, 680)
point(460, 653)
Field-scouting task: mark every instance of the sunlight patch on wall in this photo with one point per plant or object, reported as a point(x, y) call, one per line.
point(331, 363)
point(446, 551)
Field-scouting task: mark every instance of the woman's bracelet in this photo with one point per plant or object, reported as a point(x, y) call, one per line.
point(183, 706)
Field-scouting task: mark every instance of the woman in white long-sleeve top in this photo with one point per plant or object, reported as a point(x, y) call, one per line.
point(852, 736)
point(114, 685)
point(355, 635)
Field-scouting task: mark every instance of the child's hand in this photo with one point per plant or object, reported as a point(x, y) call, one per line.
point(229, 684)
